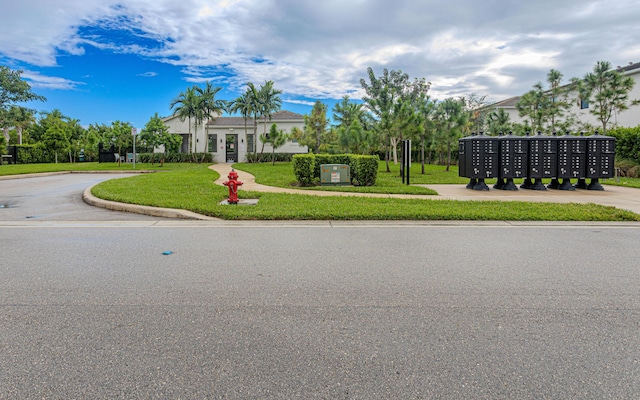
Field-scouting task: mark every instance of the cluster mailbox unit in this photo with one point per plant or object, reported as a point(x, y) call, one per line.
point(534, 158)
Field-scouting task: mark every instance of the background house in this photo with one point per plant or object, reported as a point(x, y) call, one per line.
point(225, 137)
point(580, 108)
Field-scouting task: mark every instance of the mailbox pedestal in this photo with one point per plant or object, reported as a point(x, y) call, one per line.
point(478, 158)
point(600, 159)
point(514, 155)
point(543, 156)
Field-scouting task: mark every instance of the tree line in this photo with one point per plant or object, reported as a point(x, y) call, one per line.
point(394, 107)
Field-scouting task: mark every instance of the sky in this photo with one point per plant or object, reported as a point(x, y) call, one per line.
point(99, 61)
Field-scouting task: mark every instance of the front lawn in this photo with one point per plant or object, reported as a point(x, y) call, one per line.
point(192, 188)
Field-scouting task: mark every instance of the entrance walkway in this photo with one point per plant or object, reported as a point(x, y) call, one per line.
point(615, 196)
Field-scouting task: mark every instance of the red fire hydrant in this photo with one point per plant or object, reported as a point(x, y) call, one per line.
point(233, 184)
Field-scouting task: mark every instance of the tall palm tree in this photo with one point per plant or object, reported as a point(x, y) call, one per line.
point(244, 106)
point(269, 102)
point(209, 105)
point(186, 107)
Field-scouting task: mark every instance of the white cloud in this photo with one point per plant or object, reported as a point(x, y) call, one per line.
point(322, 49)
point(36, 80)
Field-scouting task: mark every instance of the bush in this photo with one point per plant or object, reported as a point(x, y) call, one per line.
point(303, 168)
point(627, 143)
point(35, 153)
point(364, 170)
point(175, 157)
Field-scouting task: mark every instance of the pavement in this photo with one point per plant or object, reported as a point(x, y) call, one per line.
point(615, 196)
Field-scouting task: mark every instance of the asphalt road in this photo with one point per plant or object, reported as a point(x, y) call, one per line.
point(94, 309)
point(56, 198)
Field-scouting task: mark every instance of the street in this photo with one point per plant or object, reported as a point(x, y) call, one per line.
point(159, 308)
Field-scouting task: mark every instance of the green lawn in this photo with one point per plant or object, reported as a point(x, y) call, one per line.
point(19, 169)
point(191, 187)
point(281, 175)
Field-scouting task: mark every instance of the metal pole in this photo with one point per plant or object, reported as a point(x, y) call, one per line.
point(408, 160)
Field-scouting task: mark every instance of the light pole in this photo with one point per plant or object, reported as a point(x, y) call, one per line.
point(134, 132)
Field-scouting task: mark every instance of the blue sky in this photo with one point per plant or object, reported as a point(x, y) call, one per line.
point(104, 60)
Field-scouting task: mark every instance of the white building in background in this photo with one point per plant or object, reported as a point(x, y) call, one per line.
point(225, 137)
point(627, 118)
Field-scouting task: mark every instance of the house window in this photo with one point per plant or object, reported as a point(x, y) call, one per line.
point(250, 143)
point(213, 143)
point(584, 104)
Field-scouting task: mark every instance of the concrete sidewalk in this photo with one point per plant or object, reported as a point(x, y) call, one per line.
point(615, 196)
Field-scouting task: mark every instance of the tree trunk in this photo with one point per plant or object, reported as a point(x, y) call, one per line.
point(394, 146)
point(422, 155)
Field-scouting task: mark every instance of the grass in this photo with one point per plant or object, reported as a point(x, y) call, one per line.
point(281, 175)
point(627, 182)
point(191, 187)
point(19, 169)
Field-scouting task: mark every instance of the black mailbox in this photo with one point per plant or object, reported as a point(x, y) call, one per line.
point(543, 159)
point(569, 163)
point(464, 160)
point(484, 159)
point(514, 155)
point(601, 151)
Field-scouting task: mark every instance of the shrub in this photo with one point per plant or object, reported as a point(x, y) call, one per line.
point(627, 143)
point(364, 170)
point(35, 153)
point(303, 168)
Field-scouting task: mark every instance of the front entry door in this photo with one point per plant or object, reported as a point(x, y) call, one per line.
point(232, 148)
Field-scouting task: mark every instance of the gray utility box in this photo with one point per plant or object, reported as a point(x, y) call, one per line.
point(335, 174)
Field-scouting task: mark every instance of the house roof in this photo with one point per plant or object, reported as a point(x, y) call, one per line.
point(510, 102)
point(629, 67)
point(239, 121)
point(632, 68)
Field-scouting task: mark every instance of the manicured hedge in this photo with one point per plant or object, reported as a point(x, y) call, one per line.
point(303, 165)
point(627, 143)
point(175, 157)
point(364, 169)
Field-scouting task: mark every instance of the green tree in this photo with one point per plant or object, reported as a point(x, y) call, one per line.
point(607, 90)
point(315, 126)
point(559, 102)
point(452, 119)
point(264, 101)
point(475, 104)
point(245, 107)
point(534, 105)
point(381, 95)
point(210, 106)
point(186, 106)
point(18, 117)
point(156, 134)
point(56, 137)
point(276, 138)
point(13, 89)
point(121, 136)
point(498, 121)
point(427, 127)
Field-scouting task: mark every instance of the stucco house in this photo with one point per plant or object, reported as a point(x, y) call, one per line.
point(627, 118)
point(225, 137)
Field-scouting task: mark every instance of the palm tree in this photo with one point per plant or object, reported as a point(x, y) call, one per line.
point(209, 105)
point(269, 102)
point(244, 106)
point(186, 107)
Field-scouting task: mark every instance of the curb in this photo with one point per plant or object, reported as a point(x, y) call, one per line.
point(174, 213)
